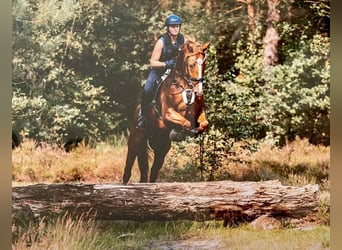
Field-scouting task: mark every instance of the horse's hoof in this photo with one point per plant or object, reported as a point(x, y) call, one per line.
point(194, 132)
point(176, 135)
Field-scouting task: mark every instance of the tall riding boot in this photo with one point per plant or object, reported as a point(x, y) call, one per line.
point(145, 102)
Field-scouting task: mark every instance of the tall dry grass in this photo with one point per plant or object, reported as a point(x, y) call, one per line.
point(297, 163)
point(63, 232)
point(51, 164)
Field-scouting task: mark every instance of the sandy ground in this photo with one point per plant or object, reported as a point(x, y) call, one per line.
point(190, 244)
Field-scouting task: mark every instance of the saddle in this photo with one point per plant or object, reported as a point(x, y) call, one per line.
point(158, 84)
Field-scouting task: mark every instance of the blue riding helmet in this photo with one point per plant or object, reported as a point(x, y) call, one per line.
point(173, 19)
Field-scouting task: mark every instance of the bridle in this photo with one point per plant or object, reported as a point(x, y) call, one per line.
point(200, 64)
point(188, 92)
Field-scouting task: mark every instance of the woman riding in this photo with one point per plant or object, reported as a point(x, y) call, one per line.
point(162, 58)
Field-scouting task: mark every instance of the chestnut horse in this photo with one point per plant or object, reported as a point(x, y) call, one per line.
point(176, 111)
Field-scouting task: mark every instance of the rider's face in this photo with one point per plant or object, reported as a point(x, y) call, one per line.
point(174, 29)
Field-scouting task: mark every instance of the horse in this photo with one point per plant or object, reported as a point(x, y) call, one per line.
point(177, 111)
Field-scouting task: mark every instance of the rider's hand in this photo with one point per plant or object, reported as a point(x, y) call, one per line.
point(170, 64)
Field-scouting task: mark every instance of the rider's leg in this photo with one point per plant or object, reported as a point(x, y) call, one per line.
point(146, 98)
point(144, 105)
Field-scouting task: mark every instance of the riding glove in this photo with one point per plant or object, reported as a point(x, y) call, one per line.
point(170, 64)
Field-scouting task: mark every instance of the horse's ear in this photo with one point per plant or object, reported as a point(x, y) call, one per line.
point(205, 46)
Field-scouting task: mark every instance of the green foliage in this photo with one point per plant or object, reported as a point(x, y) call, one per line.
point(251, 103)
point(300, 93)
point(74, 56)
point(51, 101)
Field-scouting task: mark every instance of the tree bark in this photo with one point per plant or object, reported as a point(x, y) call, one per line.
point(271, 38)
point(251, 14)
point(223, 200)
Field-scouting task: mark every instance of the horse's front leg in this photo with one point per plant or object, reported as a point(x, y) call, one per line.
point(173, 116)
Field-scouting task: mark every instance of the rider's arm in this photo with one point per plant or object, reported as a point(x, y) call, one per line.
point(156, 53)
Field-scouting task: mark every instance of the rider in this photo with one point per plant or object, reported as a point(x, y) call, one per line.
point(162, 58)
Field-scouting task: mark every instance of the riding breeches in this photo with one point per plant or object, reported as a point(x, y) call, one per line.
point(150, 85)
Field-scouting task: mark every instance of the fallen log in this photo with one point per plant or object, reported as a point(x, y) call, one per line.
point(200, 201)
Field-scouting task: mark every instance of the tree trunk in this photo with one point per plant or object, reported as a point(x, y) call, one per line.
point(223, 200)
point(251, 14)
point(271, 38)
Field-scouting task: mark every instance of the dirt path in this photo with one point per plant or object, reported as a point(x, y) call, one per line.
point(189, 244)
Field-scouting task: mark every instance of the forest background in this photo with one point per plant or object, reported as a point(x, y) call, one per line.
point(78, 68)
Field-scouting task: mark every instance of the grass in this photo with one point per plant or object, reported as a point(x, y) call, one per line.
point(67, 233)
point(298, 163)
point(51, 164)
point(63, 233)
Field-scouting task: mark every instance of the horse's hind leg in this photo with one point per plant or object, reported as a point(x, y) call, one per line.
point(143, 163)
point(161, 147)
point(157, 164)
point(131, 155)
point(135, 142)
